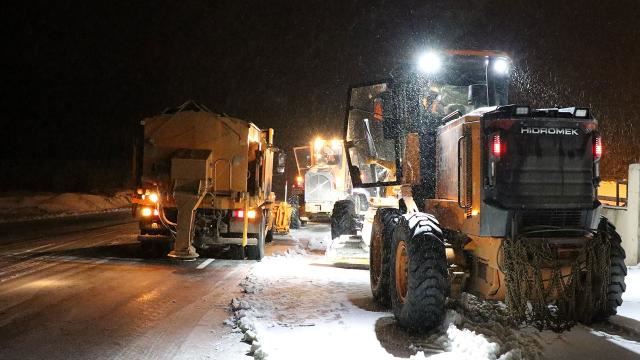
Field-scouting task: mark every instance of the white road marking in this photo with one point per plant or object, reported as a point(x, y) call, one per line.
point(29, 250)
point(204, 264)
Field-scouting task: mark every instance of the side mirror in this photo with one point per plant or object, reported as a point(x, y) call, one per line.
point(282, 161)
point(477, 95)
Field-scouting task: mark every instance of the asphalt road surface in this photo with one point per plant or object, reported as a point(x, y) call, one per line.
point(81, 290)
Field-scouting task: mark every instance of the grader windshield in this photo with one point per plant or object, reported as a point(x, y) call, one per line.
point(418, 100)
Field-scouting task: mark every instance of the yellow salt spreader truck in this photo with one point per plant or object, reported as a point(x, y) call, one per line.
point(204, 181)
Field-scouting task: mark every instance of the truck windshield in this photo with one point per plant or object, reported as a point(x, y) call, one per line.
point(328, 153)
point(303, 159)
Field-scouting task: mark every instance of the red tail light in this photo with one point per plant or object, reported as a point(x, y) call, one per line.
point(251, 214)
point(496, 145)
point(597, 147)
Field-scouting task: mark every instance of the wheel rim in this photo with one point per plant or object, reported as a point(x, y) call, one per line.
point(376, 253)
point(402, 270)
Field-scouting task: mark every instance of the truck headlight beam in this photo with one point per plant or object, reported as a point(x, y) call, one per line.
point(429, 63)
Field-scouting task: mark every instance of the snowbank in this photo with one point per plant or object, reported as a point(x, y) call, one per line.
point(35, 206)
point(631, 298)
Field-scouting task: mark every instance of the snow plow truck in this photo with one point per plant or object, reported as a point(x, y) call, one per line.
point(322, 167)
point(204, 180)
point(476, 195)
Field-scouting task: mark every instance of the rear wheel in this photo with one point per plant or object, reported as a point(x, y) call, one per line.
point(617, 271)
point(256, 252)
point(295, 222)
point(343, 219)
point(419, 277)
point(380, 249)
point(236, 252)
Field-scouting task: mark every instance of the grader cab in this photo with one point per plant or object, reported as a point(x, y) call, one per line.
point(205, 181)
point(480, 196)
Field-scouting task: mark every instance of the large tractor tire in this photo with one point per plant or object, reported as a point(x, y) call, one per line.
point(617, 271)
point(419, 276)
point(343, 219)
point(295, 218)
point(295, 222)
point(384, 223)
point(361, 202)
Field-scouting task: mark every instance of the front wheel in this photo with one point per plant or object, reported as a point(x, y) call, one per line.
point(419, 276)
point(384, 223)
point(343, 219)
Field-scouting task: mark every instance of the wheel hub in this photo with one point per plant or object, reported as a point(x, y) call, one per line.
point(401, 270)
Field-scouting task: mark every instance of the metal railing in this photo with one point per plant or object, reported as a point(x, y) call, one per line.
point(620, 198)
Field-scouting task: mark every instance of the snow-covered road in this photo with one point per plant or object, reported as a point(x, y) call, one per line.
point(296, 305)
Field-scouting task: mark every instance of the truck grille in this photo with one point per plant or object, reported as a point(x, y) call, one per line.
point(318, 188)
point(562, 218)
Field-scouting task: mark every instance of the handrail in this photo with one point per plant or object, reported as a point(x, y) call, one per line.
point(459, 163)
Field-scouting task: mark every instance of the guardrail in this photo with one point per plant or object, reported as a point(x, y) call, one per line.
point(621, 205)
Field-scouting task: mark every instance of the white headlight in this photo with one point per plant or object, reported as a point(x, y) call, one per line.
point(501, 66)
point(429, 63)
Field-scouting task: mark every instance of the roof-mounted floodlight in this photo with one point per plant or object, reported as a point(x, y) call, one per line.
point(429, 62)
point(581, 113)
point(501, 66)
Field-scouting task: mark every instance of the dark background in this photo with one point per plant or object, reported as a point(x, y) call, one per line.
point(77, 77)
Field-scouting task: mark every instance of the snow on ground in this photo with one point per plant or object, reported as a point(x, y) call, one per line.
point(628, 313)
point(35, 206)
point(631, 298)
point(297, 306)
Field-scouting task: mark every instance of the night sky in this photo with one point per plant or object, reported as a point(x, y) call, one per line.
point(78, 76)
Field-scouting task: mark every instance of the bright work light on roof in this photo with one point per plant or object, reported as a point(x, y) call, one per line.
point(429, 63)
point(501, 66)
point(522, 110)
point(581, 113)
